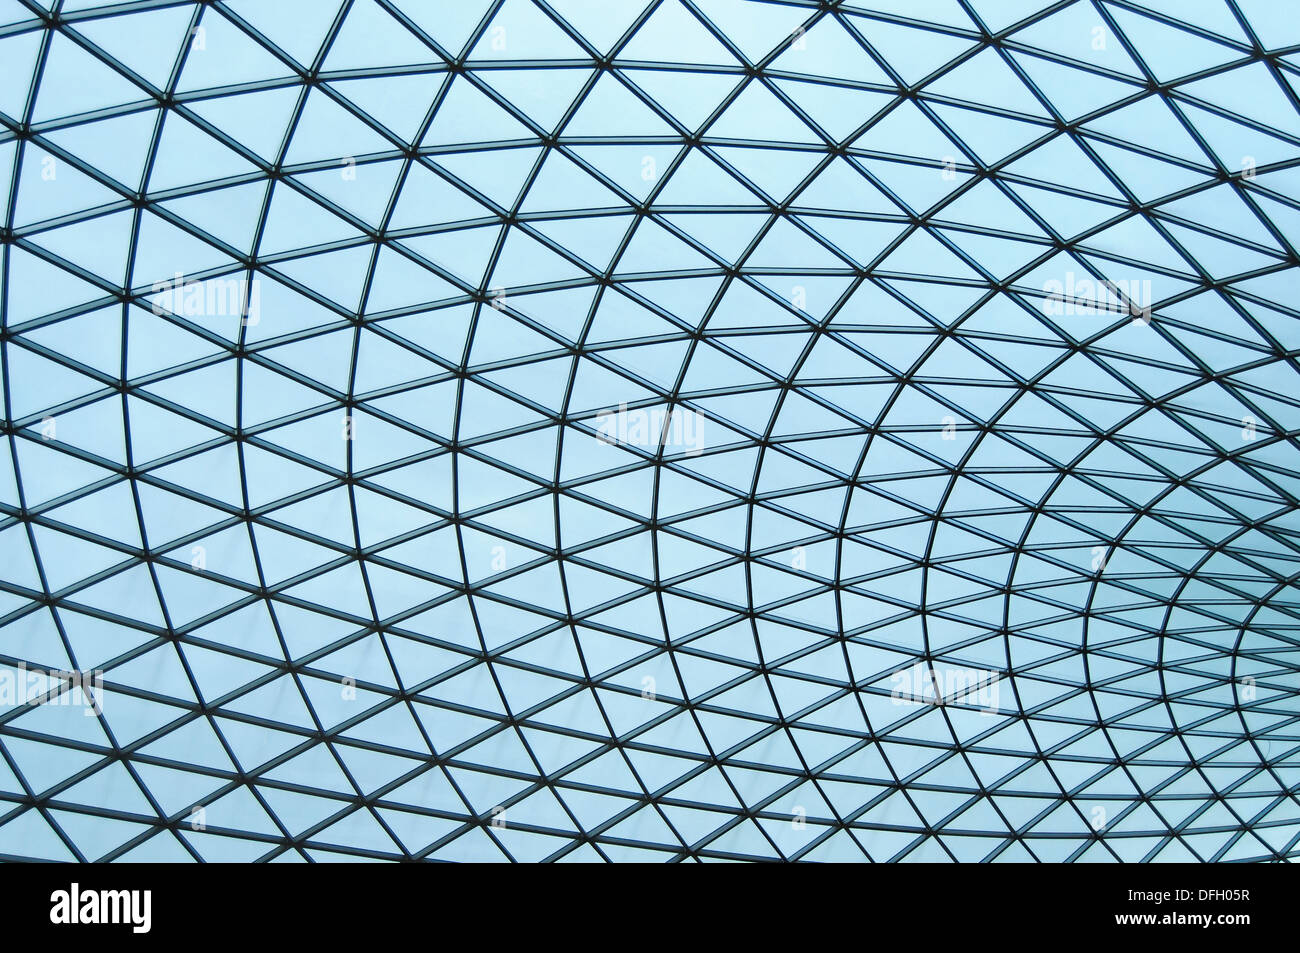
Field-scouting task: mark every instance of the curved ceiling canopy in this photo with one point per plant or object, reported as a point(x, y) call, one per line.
point(609, 431)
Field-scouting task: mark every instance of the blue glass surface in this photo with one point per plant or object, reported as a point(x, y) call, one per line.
point(690, 430)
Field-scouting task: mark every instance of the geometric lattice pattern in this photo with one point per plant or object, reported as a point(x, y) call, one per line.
point(685, 430)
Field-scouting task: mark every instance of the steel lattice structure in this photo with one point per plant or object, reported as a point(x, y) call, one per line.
point(685, 430)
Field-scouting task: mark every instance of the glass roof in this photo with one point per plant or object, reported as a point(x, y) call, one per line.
point(686, 430)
